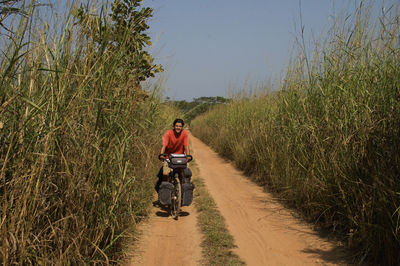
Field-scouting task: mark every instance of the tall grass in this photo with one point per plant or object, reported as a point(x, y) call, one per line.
point(328, 142)
point(78, 138)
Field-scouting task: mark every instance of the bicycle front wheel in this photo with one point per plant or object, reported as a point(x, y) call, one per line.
point(176, 199)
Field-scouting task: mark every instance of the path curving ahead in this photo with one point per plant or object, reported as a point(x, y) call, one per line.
point(264, 231)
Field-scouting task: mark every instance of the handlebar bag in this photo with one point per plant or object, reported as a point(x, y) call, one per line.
point(165, 192)
point(177, 161)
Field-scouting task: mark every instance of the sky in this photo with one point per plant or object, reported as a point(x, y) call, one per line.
point(214, 47)
point(217, 47)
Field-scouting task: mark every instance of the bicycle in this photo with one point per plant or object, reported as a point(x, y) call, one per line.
point(171, 196)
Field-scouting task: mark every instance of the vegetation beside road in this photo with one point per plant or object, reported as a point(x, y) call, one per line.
point(78, 133)
point(217, 243)
point(327, 143)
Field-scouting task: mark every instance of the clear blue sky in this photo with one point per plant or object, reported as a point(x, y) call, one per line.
point(209, 47)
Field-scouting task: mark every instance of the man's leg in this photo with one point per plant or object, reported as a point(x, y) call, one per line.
point(188, 175)
point(166, 169)
point(160, 176)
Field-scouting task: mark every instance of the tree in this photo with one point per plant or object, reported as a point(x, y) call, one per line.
point(123, 33)
point(129, 23)
point(8, 7)
point(198, 106)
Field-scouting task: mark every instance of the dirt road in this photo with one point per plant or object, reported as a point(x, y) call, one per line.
point(166, 241)
point(264, 231)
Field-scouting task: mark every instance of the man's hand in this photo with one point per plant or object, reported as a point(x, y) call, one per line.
point(161, 157)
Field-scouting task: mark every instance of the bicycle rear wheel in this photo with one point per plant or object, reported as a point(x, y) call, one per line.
point(176, 199)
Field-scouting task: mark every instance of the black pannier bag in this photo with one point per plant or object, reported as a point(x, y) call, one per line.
point(164, 193)
point(187, 194)
point(188, 175)
point(177, 161)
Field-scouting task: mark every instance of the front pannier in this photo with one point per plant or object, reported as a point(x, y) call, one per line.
point(164, 193)
point(177, 161)
point(187, 194)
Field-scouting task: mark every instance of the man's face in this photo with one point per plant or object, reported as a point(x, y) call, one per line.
point(178, 128)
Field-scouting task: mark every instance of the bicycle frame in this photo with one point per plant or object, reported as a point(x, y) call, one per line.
point(171, 176)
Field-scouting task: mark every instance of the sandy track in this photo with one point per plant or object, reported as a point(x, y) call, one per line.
point(265, 233)
point(166, 241)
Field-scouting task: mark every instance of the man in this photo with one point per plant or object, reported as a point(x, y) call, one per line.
point(175, 140)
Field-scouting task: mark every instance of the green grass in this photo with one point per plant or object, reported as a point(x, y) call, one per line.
point(217, 243)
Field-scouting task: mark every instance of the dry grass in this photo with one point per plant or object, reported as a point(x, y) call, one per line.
point(328, 142)
point(78, 141)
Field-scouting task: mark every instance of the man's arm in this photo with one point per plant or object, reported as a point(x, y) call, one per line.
point(162, 152)
point(164, 143)
point(186, 150)
point(163, 149)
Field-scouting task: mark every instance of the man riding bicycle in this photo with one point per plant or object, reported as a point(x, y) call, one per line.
point(175, 140)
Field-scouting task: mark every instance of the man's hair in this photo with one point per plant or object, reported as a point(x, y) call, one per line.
point(178, 120)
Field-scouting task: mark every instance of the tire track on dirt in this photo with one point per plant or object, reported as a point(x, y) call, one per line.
point(264, 231)
point(166, 241)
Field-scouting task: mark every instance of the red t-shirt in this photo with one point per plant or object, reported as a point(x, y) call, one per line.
point(175, 144)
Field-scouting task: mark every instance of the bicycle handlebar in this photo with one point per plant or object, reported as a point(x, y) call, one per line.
point(189, 157)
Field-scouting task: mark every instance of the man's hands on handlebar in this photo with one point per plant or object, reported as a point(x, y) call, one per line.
point(161, 157)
